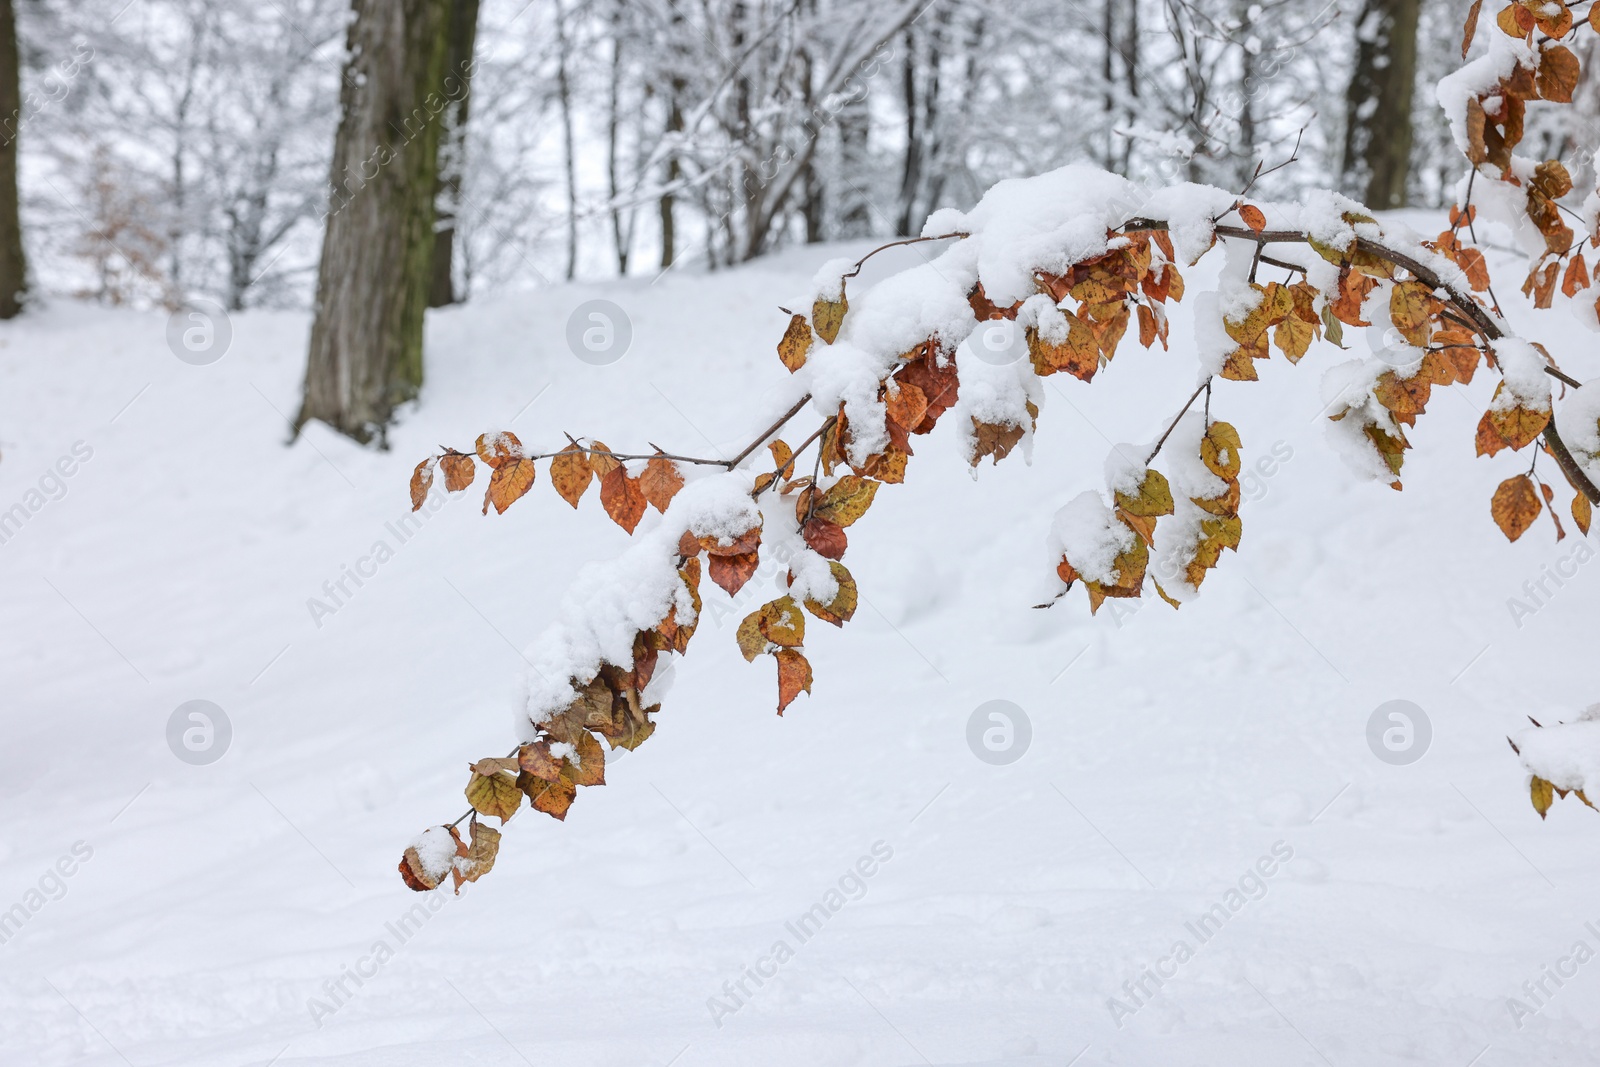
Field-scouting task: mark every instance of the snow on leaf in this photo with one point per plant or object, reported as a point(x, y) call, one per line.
point(496, 449)
point(842, 607)
point(421, 482)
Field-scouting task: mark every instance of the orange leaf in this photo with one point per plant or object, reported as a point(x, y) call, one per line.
point(421, 482)
point(622, 498)
point(498, 448)
point(600, 460)
point(511, 479)
point(459, 470)
point(1582, 513)
point(660, 482)
point(731, 572)
point(1558, 74)
point(1515, 505)
point(1253, 217)
point(794, 676)
point(1576, 277)
point(795, 344)
point(570, 473)
point(1472, 26)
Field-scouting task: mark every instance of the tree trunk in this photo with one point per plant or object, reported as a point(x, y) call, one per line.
point(457, 88)
point(13, 268)
point(377, 256)
point(1377, 144)
point(564, 92)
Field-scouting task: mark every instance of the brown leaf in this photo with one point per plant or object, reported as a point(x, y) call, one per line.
point(1078, 355)
point(570, 473)
point(1575, 278)
point(535, 759)
point(1253, 217)
point(731, 572)
point(1515, 505)
point(907, 405)
point(1472, 26)
point(552, 798)
point(623, 498)
point(1558, 74)
point(1517, 426)
point(421, 482)
point(1582, 513)
point(993, 439)
point(459, 470)
point(496, 449)
point(479, 859)
point(1411, 306)
point(796, 343)
point(511, 479)
point(600, 460)
point(590, 769)
point(660, 482)
point(826, 538)
point(1488, 439)
point(794, 676)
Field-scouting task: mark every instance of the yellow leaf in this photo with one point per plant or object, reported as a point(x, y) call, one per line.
point(795, 344)
point(843, 605)
point(1543, 794)
point(828, 315)
point(847, 499)
point(1219, 450)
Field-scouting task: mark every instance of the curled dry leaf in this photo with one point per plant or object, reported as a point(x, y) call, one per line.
point(478, 860)
point(421, 482)
point(1515, 505)
point(794, 676)
point(459, 470)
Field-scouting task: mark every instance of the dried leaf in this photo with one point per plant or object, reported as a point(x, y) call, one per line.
point(570, 473)
point(495, 793)
point(1582, 513)
point(1219, 450)
point(1558, 74)
point(480, 858)
point(1153, 499)
point(660, 482)
point(795, 344)
point(1515, 505)
point(731, 572)
point(992, 439)
point(1542, 794)
point(846, 500)
point(1472, 26)
point(826, 538)
point(459, 470)
point(794, 676)
point(842, 607)
point(421, 482)
point(496, 449)
point(600, 460)
point(828, 316)
point(1253, 217)
point(509, 482)
point(552, 798)
point(623, 498)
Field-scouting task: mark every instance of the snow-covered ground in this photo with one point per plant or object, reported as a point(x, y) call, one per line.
point(215, 914)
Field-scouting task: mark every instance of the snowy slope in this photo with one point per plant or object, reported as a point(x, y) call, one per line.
point(1171, 752)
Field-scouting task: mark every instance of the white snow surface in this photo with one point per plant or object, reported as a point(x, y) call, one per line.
point(210, 909)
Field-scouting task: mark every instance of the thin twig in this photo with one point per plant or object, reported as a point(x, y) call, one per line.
point(1204, 387)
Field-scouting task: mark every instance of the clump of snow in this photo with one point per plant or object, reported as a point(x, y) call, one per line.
point(609, 603)
point(1125, 468)
point(828, 282)
point(1580, 419)
point(1348, 387)
point(436, 851)
point(1091, 536)
point(1522, 367)
point(1567, 755)
point(1190, 212)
